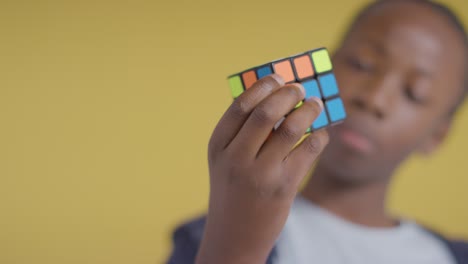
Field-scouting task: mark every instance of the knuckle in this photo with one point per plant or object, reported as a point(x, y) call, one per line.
point(294, 91)
point(282, 191)
point(242, 177)
point(214, 150)
point(285, 188)
point(276, 79)
point(288, 134)
point(314, 144)
point(240, 107)
point(315, 109)
point(234, 173)
point(265, 86)
point(325, 137)
point(263, 114)
point(272, 80)
point(271, 184)
point(268, 83)
point(270, 189)
point(234, 159)
point(246, 177)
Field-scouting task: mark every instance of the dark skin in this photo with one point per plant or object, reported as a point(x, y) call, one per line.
point(399, 76)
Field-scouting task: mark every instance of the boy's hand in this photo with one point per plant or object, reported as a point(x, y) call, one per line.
point(254, 177)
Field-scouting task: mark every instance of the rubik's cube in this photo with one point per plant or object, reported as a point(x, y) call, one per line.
point(313, 69)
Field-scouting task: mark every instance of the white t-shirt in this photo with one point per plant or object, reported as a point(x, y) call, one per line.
point(313, 235)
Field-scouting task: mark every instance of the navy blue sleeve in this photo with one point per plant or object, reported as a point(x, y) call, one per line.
point(186, 240)
point(460, 251)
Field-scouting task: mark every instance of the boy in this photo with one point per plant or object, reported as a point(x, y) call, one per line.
point(402, 70)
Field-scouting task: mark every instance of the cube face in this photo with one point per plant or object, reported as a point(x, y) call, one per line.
point(285, 70)
point(328, 85)
point(264, 71)
point(236, 86)
point(312, 69)
point(249, 78)
point(299, 104)
point(335, 109)
point(311, 89)
point(320, 121)
point(322, 61)
point(303, 67)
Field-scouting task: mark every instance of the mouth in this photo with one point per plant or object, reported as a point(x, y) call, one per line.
point(355, 139)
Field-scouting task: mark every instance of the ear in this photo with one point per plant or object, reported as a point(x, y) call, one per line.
point(436, 137)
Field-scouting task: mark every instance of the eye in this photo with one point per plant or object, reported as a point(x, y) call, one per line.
point(360, 65)
point(413, 96)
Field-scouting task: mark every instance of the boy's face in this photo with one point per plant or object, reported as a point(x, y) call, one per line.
point(400, 72)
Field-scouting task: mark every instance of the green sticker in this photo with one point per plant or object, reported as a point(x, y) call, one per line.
point(322, 61)
point(236, 86)
point(298, 105)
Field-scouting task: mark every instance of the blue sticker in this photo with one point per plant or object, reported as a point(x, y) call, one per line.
point(321, 120)
point(264, 71)
point(311, 89)
point(328, 85)
point(336, 109)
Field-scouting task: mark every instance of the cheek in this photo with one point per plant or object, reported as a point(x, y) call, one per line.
point(348, 81)
point(404, 127)
point(404, 130)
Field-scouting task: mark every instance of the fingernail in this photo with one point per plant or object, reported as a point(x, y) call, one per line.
point(301, 89)
point(317, 100)
point(278, 78)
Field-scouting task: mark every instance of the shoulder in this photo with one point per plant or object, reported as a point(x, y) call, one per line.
point(192, 229)
point(458, 248)
point(186, 240)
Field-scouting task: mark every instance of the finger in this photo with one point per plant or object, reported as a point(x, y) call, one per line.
point(236, 115)
point(301, 159)
point(260, 123)
point(283, 139)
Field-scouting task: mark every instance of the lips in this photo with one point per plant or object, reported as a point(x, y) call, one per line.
point(354, 139)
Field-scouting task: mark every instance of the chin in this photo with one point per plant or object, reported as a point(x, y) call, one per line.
point(347, 167)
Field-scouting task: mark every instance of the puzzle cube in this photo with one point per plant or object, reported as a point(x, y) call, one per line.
point(313, 69)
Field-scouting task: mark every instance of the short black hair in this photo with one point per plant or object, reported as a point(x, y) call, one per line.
point(437, 7)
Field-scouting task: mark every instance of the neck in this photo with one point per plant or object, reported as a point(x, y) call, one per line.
point(362, 204)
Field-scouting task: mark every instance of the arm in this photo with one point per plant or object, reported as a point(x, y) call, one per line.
point(459, 250)
point(186, 241)
point(254, 176)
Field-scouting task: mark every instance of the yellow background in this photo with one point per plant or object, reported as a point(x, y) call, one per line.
point(106, 109)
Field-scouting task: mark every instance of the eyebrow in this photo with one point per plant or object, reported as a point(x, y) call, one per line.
point(375, 46)
point(380, 49)
point(424, 73)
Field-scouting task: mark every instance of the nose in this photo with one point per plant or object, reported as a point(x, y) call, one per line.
point(376, 95)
